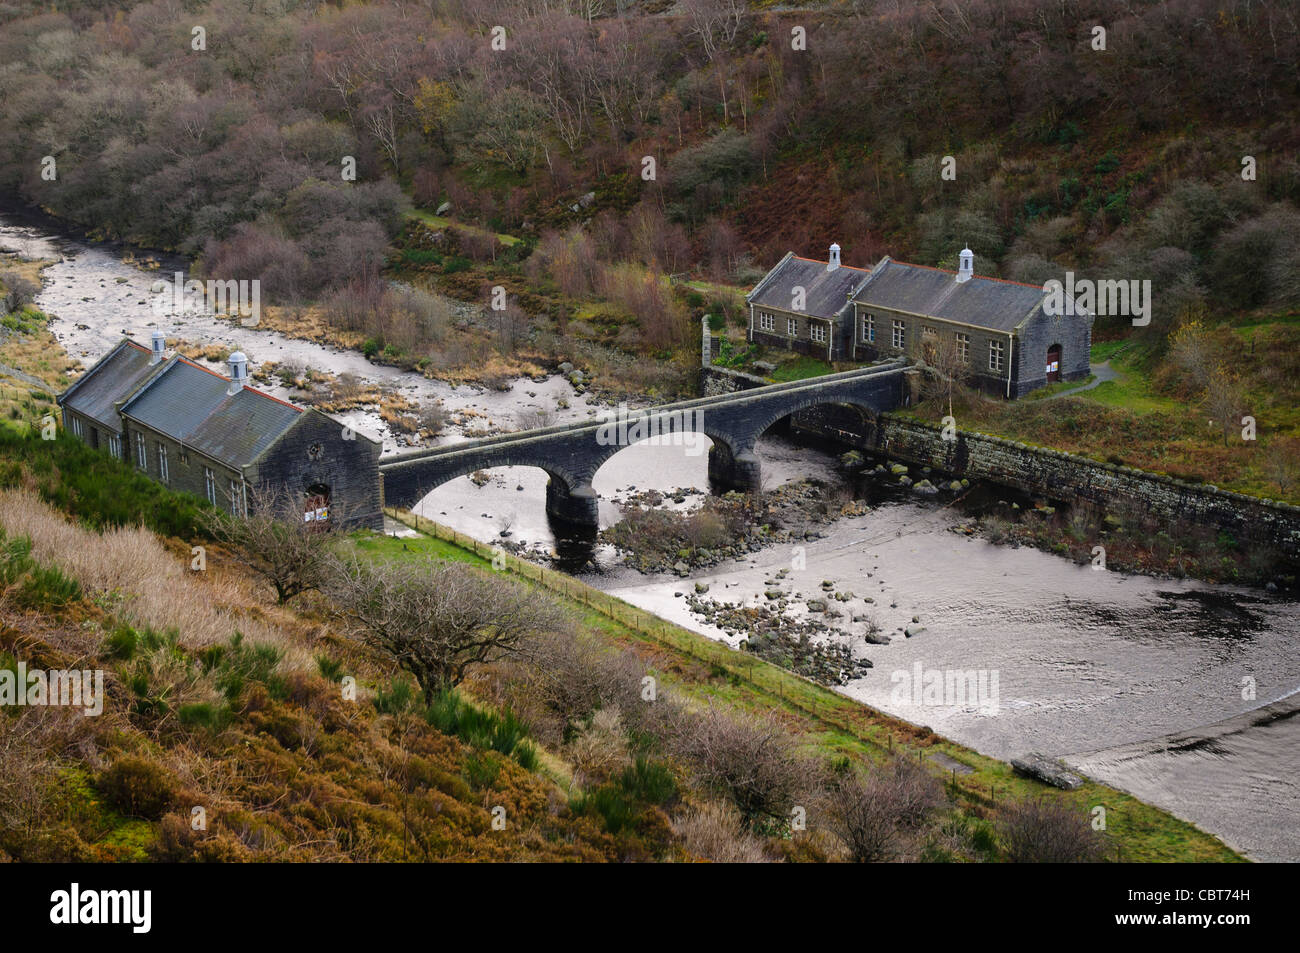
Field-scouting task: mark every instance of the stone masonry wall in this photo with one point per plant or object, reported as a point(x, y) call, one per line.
point(1040, 471)
point(1067, 477)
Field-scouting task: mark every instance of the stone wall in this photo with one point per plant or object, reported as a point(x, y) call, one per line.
point(715, 381)
point(1067, 477)
point(1039, 471)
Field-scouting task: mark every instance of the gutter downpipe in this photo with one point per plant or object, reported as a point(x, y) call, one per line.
point(1010, 345)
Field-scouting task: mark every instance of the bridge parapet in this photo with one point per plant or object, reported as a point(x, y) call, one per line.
point(572, 453)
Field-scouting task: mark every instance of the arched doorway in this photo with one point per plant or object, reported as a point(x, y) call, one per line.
point(1054, 363)
point(316, 507)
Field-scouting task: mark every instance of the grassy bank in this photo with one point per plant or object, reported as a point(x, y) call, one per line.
point(832, 725)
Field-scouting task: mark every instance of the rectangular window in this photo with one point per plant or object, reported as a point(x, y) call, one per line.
point(900, 335)
point(766, 322)
point(162, 463)
point(818, 331)
point(928, 331)
point(210, 486)
point(792, 327)
point(963, 347)
point(115, 446)
point(869, 328)
point(995, 355)
point(74, 424)
point(141, 452)
point(235, 508)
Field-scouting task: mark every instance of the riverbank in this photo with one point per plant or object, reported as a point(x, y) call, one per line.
point(832, 724)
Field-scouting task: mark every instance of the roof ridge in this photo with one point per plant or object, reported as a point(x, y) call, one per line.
point(819, 261)
point(251, 390)
point(949, 271)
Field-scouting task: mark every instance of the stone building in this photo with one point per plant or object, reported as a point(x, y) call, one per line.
point(219, 439)
point(995, 330)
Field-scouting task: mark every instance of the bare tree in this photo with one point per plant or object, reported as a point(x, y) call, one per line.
point(1224, 401)
point(275, 540)
point(945, 370)
point(436, 620)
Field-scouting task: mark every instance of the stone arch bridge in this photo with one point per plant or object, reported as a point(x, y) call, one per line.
point(572, 453)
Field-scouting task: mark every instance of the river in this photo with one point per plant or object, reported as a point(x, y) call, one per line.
point(1182, 693)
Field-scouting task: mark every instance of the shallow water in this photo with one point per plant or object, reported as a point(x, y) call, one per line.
point(1137, 681)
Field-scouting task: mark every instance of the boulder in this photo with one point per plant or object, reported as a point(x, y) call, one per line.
point(1048, 770)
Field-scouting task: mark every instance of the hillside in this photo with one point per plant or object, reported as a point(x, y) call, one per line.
point(230, 731)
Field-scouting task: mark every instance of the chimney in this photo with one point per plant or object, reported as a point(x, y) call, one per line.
point(238, 372)
point(835, 257)
point(966, 266)
point(159, 343)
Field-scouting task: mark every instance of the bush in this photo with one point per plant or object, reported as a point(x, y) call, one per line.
point(137, 787)
point(649, 781)
point(1048, 831)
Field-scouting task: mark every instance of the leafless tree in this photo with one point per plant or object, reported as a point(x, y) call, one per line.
point(438, 619)
point(275, 541)
point(945, 369)
point(1224, 402)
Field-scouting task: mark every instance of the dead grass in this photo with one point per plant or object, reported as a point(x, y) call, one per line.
point(133, 572)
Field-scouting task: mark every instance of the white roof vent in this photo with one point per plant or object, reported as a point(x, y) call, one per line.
point(834, 261)
point(238, 372)
point(966, 265)
point(158, 341)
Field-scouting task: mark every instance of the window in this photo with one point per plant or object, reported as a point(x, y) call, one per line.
point(818, 331)
point(792, 327)
point(115, 445)
point(75, 424)
point(210, 485)
point(900, 335)
point(928, 331)
point(766, 322)
point(995, 355)
point(162, 463)
point(141, 452)
point(234, 498)
point(869, 328)
point(185, 457)
point(963, 347)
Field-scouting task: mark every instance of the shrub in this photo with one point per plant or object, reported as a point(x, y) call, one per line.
point(649, 781)
point(1048, 831)
point(714, 832)
point(137, 787)
point(873, 815)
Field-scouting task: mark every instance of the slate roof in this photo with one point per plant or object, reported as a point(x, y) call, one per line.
point(189, 403)
point(919, 289)
point(826, 292)
point(110, 379)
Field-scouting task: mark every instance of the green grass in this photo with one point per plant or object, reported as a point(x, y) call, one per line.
point(441, 221)
point(801, 368)
point(95, 488)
